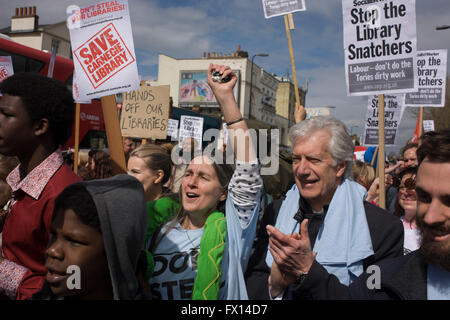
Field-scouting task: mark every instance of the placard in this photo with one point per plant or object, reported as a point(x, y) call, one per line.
point(314, 112)
point(274, 8)
point(393, 112)
point(172, 129)
point(145, 112)
point(191, 127)
point(103, 49)
point(380, 46)
point(6, 67)
point(431, 75)
point(428, 125)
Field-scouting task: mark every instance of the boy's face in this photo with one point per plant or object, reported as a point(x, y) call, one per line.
point(74, 243)
point(16, 127)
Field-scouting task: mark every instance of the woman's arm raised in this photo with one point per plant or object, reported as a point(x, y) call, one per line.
point(238, 130)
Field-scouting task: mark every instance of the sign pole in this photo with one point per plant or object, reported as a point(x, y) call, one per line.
point(420, 121)
point(380, 165)
point(113, 134)
point(291, 52)
point(77, 138)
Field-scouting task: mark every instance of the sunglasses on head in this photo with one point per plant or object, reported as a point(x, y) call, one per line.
point(410, 184)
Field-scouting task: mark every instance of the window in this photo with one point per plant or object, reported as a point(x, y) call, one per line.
point(55, 43)
point(22, 63)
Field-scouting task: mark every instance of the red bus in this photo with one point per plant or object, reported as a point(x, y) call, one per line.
point(26, 59)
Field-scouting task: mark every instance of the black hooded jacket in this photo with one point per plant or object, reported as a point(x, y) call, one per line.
point(120, 203)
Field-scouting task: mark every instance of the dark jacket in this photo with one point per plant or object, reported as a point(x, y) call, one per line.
point(120, 204)
point(386, 232)
point(402, 278)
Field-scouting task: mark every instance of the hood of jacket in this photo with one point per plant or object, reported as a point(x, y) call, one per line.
point(120, 203)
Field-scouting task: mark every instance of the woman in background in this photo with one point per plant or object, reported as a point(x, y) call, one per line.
point(98, 166)
point(406, 207)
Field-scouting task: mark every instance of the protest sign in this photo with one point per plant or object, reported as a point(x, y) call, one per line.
point(172, 129)
point(428, 125)
point(314, 112)
point(103, 49)
point(191, 127)
point(393, 111)
point(225, 133)
point(359, 152)
point(145, 112)
point(431, 73)
point(6, 68)
point(380, 46)
point(274, 8)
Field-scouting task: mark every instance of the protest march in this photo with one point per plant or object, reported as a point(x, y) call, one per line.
point(141, 161)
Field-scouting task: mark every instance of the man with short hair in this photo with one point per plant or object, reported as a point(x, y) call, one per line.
point(128, 146)
point(347, 233)
point(36, 119)
point(410, 155)
point(423, 274)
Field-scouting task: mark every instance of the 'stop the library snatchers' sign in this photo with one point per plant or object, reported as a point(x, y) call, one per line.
point(380, 46)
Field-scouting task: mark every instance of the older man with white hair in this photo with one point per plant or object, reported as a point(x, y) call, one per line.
point(328, 209)
point(423, 274)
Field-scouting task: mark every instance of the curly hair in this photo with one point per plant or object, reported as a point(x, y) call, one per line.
point(77, 198)
point(398, 210)
point(44, 98)
point(102, 168)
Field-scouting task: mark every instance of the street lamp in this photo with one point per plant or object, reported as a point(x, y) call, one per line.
point(251, 81)
point(442, 27)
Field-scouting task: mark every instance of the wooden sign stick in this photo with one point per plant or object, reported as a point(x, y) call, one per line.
point(113, 134)
point(420, 122)
point(291, 52)
point(380, 165)
point(77, 138)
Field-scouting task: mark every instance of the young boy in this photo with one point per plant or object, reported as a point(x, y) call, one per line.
point(96, 236)
point(36, 118)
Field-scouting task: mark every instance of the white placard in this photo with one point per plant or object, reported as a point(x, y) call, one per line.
point(428, 125)
point(172, 129)
point(393, 112)
point(225, 133)
point(274, 8)
point(380, 46)
point(191, 127)
point(103, 49)
point(6, 67)
point(314, 112)
point(431, 75)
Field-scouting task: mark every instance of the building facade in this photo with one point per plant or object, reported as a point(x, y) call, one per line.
point(271, 106)
point(25, 29)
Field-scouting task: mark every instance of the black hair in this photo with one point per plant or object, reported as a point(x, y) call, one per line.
point(77, 198)
point(409, 146)
point(44, 98)
point(398, 210)
point(435, 145)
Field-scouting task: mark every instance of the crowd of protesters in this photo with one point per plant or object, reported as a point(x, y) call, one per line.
point(194, 230)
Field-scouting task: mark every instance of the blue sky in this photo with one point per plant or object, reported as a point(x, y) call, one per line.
point(185, 29)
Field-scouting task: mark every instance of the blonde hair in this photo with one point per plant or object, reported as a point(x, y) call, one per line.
point(363, 173)
point(156, 158)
